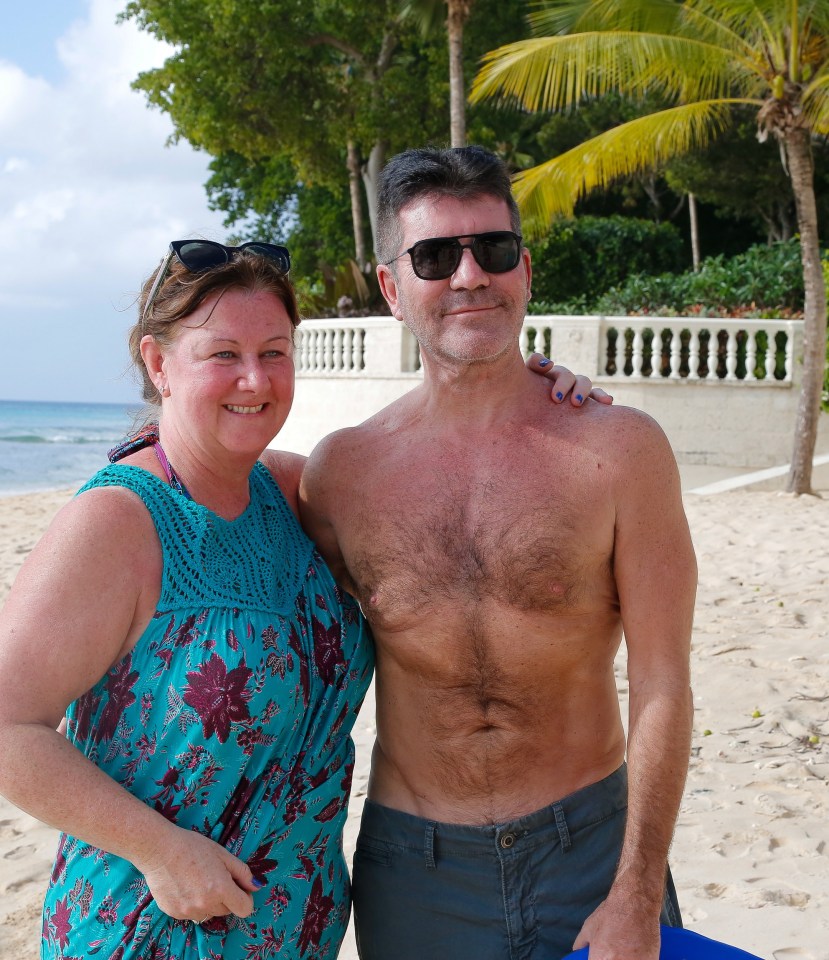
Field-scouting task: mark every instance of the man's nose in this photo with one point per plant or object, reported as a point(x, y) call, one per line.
point(469, 274)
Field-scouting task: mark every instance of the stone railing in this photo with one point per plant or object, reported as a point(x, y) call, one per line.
point(677, 347)
point(724, 391)
point(626, 347)
point(361, 347)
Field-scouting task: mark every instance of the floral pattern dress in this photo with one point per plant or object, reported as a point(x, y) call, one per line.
point(232, 717)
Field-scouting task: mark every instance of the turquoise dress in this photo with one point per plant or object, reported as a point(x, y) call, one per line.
point(232, 717)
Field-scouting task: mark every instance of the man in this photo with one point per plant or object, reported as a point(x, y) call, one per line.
point(499, 545)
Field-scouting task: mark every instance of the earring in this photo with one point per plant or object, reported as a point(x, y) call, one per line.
point(164, 390)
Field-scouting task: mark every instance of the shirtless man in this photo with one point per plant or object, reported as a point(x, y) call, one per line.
point(499, 821)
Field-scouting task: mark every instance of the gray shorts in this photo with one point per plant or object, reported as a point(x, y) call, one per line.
point(512, 891)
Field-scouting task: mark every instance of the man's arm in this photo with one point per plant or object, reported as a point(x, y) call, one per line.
point(656, 577)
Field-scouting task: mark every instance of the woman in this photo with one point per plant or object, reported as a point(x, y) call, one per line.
point(209, 668)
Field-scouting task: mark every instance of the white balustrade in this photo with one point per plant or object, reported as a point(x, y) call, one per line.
point(700, 340)
point(329, 348)
point(683, 371)
point(696, 348)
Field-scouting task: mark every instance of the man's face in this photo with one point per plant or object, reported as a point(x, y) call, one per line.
point(472, 316)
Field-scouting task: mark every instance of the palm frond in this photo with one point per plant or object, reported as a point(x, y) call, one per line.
point(816, 103)
point(429, 15)
point(584, 16)
point(554, 73)
point(706, 21)
point(552, 188)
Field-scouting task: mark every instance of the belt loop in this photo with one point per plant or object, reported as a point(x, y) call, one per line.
point(563, 832)
point(429, 846)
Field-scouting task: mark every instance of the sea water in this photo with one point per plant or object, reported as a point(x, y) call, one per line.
point(47, 446)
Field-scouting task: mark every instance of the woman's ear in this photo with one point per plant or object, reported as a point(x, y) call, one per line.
point(153, 358)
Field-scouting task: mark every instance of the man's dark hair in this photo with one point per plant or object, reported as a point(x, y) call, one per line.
point(463, 173)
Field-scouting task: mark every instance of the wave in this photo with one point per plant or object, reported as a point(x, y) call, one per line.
point(57, 438)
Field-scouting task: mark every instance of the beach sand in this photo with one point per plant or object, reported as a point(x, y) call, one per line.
point(751, 854)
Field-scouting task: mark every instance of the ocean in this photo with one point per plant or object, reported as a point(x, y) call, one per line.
point(49, 446)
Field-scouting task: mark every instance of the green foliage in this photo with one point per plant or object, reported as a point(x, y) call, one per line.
point(263, 201)
point(586, 256)
point(763, 281)
point(343, 291)
point(275, 90)
point(758, 193)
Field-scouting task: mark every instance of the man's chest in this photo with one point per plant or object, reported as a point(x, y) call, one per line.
point(515, 533)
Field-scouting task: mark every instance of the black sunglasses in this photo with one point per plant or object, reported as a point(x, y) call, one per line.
point(200, 255)
point(496, 252)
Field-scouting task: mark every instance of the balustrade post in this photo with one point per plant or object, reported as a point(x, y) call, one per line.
point(731, 356)
point(751, 355)
point(524, 341)
point(638, 350)
point(348, 360)
point(338, 350)
point(789, 354)
point(771, 354)
point(693, 356)
point(676, 353)
point(358, 349)
point(538, 341)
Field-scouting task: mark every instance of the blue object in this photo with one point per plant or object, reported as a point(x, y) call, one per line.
point(681, 944)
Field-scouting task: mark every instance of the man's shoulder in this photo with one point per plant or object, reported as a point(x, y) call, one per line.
point(352, 443)
point(622, 433)
point(618, 419)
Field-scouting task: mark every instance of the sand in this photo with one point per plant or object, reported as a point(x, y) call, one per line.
point(751, 853)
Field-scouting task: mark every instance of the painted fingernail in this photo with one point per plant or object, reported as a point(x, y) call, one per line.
point(579, 398)
point(559, 395)
point(544, 363)
point(258, 883)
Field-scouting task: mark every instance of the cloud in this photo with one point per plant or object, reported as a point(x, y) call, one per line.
point(90, 195)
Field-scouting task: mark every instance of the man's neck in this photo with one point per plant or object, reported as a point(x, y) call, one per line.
point(481, 393)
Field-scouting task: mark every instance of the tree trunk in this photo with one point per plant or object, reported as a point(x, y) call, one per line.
point(371, 171)
point(354, 165)
point(801, 169)
point(692, 212)
point(456, 17)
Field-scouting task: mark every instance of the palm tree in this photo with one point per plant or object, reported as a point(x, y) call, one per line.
point(457, 13)
point(705, 59)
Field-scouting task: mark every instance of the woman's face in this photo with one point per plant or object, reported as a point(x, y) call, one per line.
point(230, 372)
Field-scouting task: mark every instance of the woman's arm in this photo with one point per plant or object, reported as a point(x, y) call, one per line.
point(80, 602)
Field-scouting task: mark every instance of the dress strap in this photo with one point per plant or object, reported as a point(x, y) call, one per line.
point(148, 437)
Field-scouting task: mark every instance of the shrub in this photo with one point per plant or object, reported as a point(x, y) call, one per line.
point(583, 258)
point(764, 280)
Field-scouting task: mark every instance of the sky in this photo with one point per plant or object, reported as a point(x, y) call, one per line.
point(91, 194)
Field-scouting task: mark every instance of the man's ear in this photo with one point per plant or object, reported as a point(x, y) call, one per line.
point(388, 287)
point(528, 267)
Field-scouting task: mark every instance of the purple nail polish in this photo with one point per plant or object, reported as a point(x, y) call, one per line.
point(559, 395)
point(544, 363)
point(258, 883)
point(579, 397)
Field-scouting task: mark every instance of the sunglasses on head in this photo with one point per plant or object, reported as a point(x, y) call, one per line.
point(496, 252)
point(200, 255)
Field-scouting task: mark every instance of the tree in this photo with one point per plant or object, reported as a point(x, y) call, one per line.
point(758, 192)
point(315, 83)
point(457, 13)
point(704, 58)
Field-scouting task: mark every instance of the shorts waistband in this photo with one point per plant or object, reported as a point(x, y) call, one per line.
point(591, 804)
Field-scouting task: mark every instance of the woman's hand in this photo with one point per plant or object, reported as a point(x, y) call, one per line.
point(193, 878)
point(564, 381)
